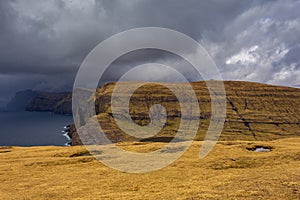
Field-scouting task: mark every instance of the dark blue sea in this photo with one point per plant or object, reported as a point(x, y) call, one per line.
point(33, 129)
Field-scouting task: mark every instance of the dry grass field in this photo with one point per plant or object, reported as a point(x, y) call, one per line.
point(258, 115)
point(230, 171)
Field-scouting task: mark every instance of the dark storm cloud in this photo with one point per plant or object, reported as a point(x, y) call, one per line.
point(46, 41)
point(54, 36)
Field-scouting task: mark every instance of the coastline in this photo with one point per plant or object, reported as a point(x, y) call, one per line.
point(67, 134)
point(25, 128)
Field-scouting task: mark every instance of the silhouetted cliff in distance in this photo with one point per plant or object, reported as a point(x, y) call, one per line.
point(21, 100)
point(29, 100)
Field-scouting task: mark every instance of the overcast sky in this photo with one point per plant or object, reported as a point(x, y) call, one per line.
point(42, 43)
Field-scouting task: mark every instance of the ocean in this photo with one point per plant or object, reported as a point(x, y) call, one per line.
point(33, 129)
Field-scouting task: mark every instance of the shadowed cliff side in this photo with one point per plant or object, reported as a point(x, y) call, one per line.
point(59, 103)
point(29, 100)
point(21, 100)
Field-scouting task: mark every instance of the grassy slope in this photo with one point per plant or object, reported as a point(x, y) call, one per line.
point(229, 172)
point(255, 111)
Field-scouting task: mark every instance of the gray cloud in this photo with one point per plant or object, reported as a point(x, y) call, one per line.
point(45, 41)
point(261, 44)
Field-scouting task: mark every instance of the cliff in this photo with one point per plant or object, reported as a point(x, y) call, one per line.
point(59, 103)
point(254, 111)
point(20, 100)
point(29, 100)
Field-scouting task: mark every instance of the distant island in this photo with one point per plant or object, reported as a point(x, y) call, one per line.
point(39, 101)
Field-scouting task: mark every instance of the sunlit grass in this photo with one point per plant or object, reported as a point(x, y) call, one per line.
point(230, 171)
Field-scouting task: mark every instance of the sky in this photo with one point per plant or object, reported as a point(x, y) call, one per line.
point(43, 43)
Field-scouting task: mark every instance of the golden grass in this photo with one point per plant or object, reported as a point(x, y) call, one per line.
point(230, 171)
point(254, 111)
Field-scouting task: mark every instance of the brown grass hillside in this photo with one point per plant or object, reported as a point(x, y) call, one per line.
point(255, 111)
point(230, 171)
point(258, 115)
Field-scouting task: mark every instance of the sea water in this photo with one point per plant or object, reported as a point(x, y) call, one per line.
point(33, 128)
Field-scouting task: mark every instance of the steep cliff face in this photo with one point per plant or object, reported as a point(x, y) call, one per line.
point(29, 100)
point(20, 100)
point(59, 103)
point(254, 111)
